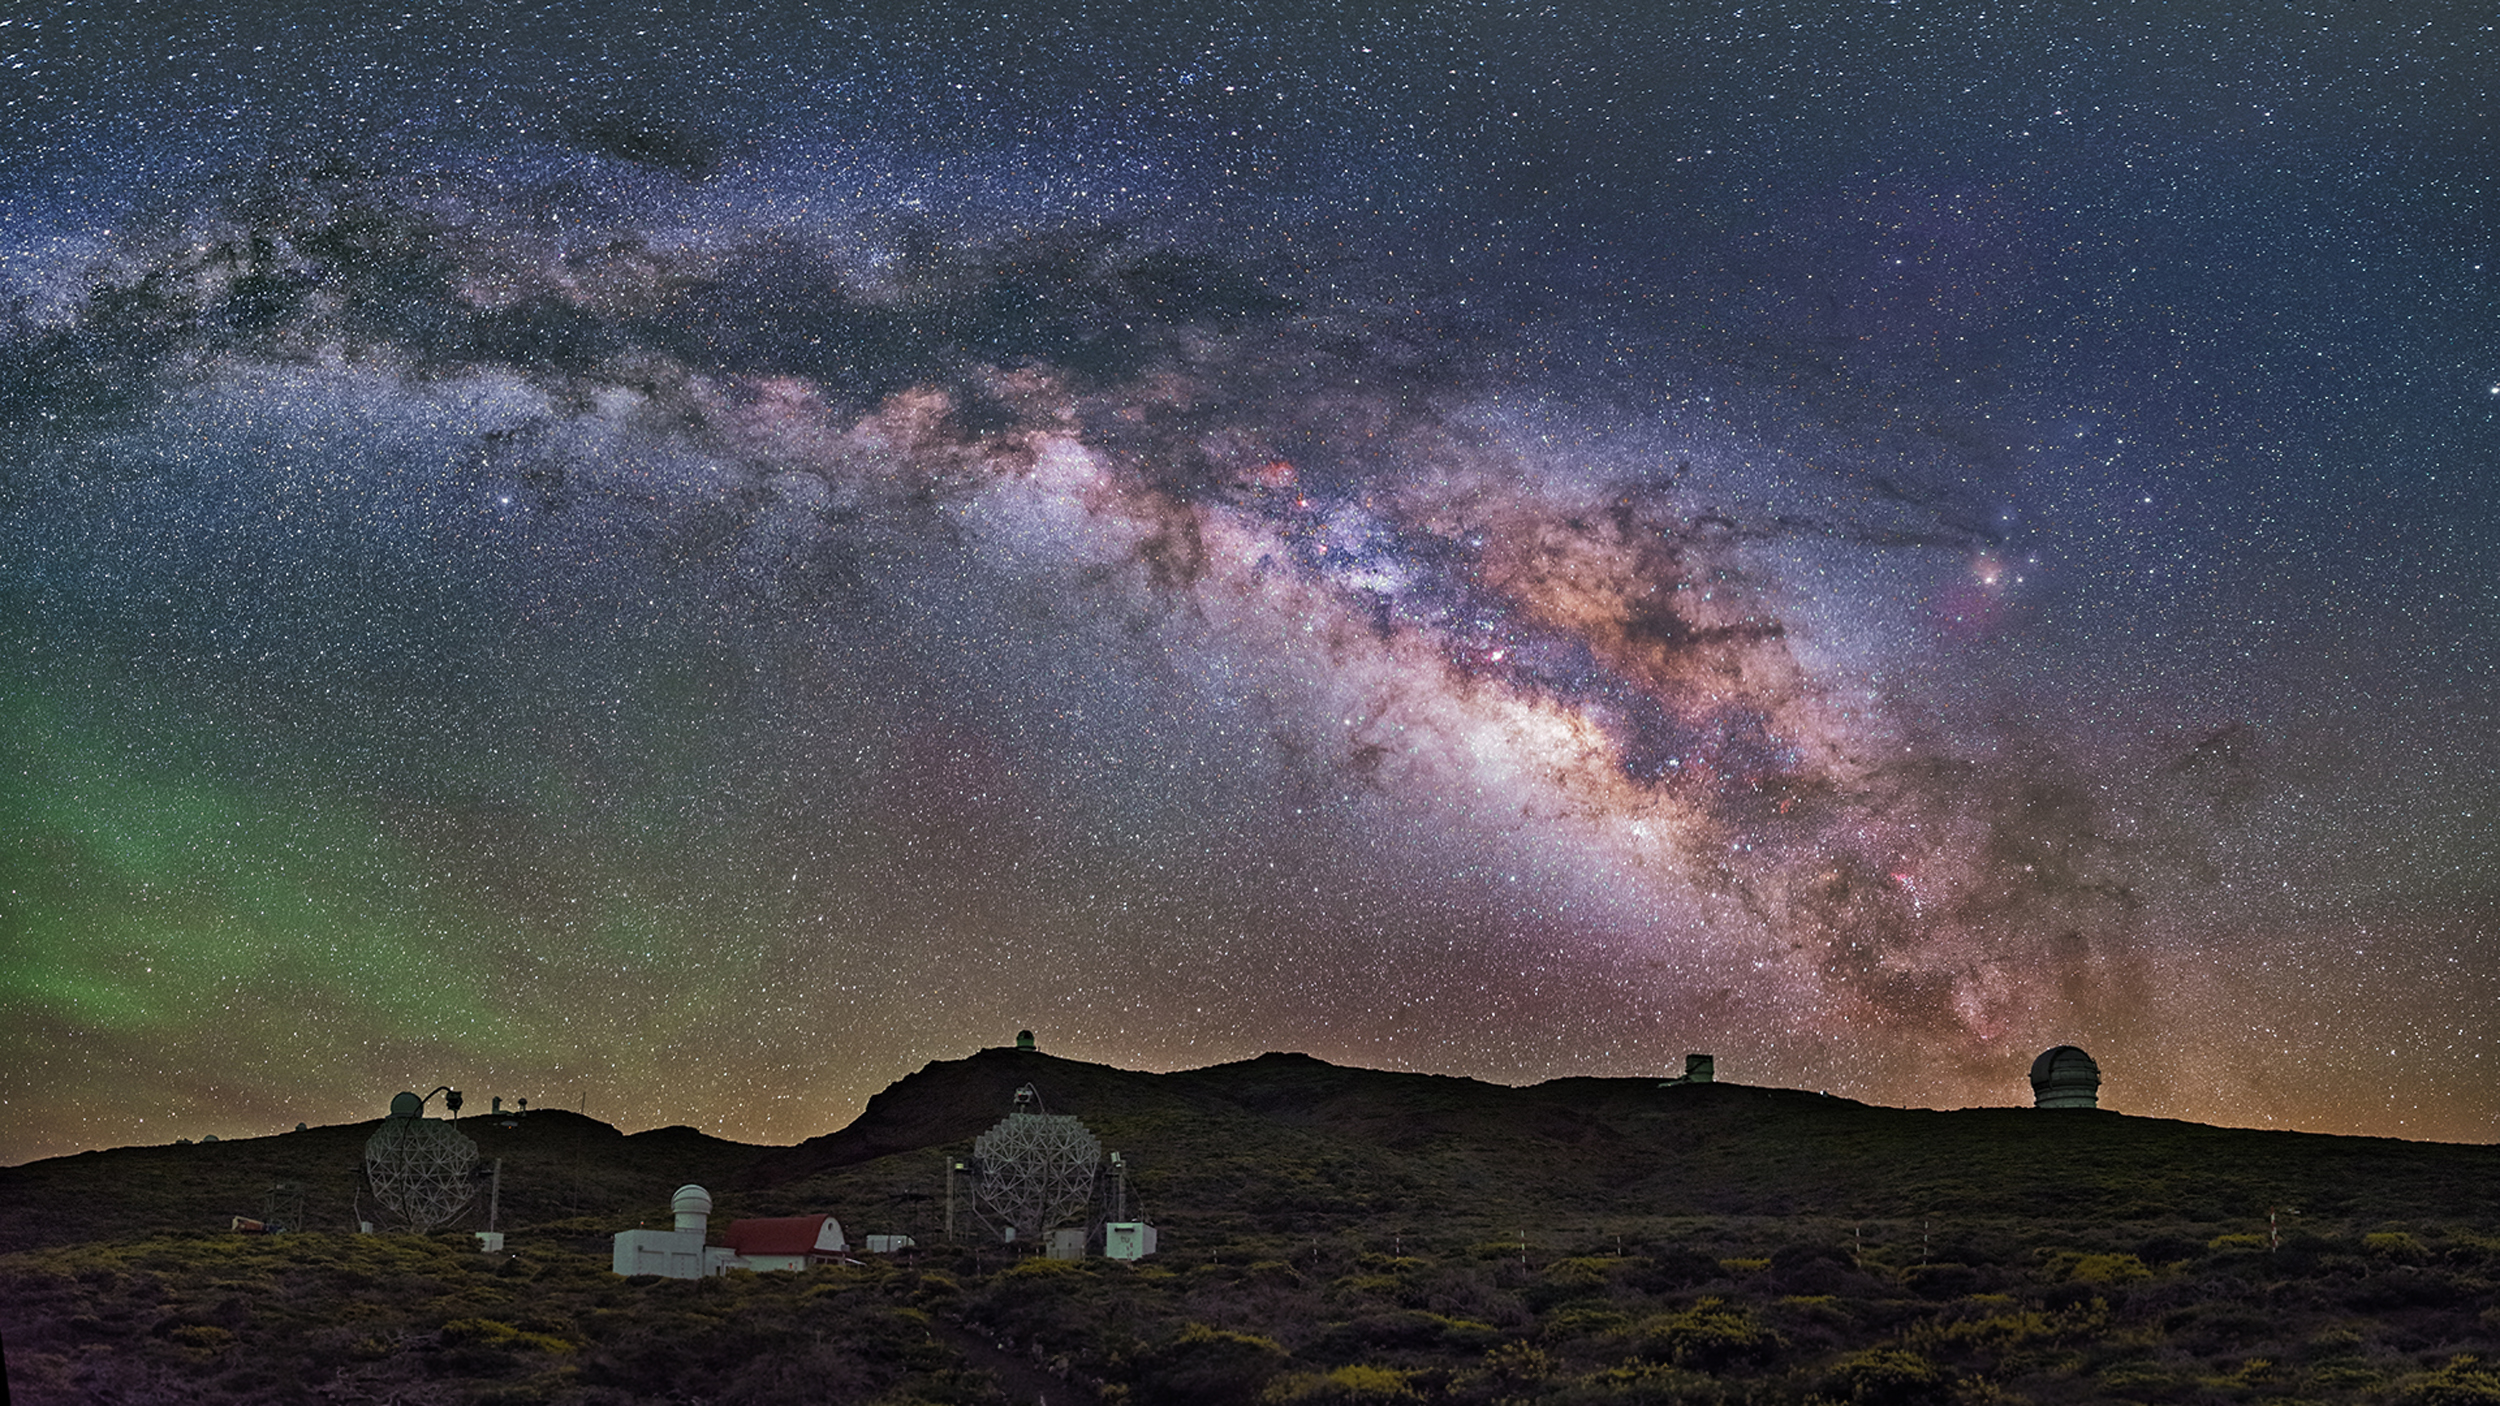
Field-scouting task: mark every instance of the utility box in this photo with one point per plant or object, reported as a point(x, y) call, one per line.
point(1128, 1240)
point(1067, 1244)
point(889, 1244)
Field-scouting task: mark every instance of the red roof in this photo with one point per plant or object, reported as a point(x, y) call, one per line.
point(778, 1235)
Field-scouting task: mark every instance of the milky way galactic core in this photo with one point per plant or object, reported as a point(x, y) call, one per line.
point(686, 561)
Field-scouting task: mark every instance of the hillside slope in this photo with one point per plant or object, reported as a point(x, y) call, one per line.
point(1287, 1142)
point(1288, 1136)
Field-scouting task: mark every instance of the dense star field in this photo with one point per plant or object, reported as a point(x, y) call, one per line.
point(685, 560)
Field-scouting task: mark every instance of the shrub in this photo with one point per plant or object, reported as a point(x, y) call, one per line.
point(2003, 1332)
point(1519, 1364)
point(1710, 1336)
point(2334, 1340)
point(1467, 1335)
point(1355, 1385)
point(1209, 1365)
point(1884, 1376)
point(494, 1333)
point(1637, 1383)
point(1040, 1268)
point(1566, 1280)
point(2462, 1382)
point(1403, 1330)
point(205, 1336)
point(2394, 1245)
point(1940, 1281)
point(2109, 1269)
point(2250, 1374)
point(1674, 1269)
point(1585, 1320)
point(1811, 1269)
point(2167, 1248)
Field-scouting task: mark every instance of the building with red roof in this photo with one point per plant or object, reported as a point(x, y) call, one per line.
point(785, 1242)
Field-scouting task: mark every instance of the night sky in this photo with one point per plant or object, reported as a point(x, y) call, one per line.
point(684, 561)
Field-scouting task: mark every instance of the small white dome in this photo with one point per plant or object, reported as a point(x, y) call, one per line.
point(691, 1200)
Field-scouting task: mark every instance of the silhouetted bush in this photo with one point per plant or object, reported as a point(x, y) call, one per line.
point(2409, 1286)
point(1940, 1281)
point(1814, 1269)
point(1203, 1366)
point(2168, 1248)
point(1568, 1280)
point(1669, 1270)
point(1405, 1330)
point(1886, 1376)
point(2108, 1269)
point(2394, 1245)
point(1355, 1385)
point(1710, 1336)
point(2463, 1381)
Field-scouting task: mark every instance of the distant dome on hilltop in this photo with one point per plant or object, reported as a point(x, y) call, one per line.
point(2065, 1077)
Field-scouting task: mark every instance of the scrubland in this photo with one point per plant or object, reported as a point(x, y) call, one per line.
point(1701, 1310)
point(1329, 1236)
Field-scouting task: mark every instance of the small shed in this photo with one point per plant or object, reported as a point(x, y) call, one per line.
point(785, 1242)
point(1128, 1240)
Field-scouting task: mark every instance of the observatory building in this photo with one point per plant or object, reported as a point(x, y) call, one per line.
point(772, 1242)
point(679, 1253)
point(2065, 1077)
point(1698, 1069)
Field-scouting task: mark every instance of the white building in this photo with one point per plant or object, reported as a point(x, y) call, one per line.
point(679, 1253)
point(775, 1242)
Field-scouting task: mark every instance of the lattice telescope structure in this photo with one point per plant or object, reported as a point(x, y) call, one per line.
point(1036, 1169)
point(423, 1170)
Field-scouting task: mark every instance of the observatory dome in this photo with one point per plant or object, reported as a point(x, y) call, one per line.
point(407, 1106)
point(2065, 1077)
point(693, 1208)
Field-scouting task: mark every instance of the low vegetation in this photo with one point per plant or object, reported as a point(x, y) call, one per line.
point(1748, 1310)
point(1323, 1272)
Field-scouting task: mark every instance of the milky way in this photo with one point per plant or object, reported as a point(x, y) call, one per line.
point(686, 563)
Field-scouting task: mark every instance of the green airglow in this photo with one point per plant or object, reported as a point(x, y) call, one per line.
point(194, 901)
point(132, 887)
